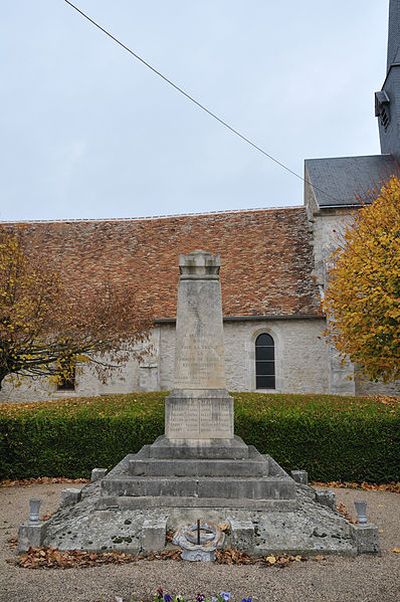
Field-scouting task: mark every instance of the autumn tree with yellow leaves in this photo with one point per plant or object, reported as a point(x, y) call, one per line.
point(45, 329)
point(362, 299)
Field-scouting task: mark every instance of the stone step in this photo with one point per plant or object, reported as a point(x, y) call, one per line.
point(214, 503)
point(230, 487)
point(211, 449)
point(198, 468)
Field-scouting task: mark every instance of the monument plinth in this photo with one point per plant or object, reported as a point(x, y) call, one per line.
point(199, 407)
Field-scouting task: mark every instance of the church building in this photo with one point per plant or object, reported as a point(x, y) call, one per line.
point(273, 273)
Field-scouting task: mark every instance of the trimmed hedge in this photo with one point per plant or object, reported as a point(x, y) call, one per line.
point(334, 438)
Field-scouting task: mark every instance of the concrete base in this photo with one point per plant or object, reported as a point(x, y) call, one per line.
point(309, 529)
point(232, 448)
point(366, 539)
point(31, 535)
point(185, 474)
point(70, 496)
point(166, 486)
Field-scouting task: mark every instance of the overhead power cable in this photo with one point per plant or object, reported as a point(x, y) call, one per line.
point(199, 104)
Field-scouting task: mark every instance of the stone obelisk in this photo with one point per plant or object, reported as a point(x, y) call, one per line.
point(199, 407)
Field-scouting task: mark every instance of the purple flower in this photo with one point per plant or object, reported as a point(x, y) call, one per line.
point(167, 598)
point(200, 598)
point(249, 599)
point(226, 596)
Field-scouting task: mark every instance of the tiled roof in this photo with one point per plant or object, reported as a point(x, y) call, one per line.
point(266, 257)
point(345, 181)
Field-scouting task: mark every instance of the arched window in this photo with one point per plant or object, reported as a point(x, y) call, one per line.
point(265, 362)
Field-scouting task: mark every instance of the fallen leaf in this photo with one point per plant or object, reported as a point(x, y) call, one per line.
point(341, 508)
point(225, 527)
point(393, 487)
point(41, 481)
point(12, 542)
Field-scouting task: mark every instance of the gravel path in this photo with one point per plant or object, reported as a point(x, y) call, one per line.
point(364, 579)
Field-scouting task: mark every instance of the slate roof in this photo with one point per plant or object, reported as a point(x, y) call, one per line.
point(266, 256)
point(345, 181)
point(393, 55)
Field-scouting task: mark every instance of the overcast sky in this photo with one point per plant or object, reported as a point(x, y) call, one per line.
point(88, 132)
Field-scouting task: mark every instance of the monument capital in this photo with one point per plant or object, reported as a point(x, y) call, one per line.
point(199, 265)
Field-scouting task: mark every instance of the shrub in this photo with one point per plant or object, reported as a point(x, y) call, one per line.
point(334, 438)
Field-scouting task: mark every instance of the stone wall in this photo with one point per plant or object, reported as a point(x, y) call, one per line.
point(304, 364)
point(301, 363)
point(363, 386)
point(301, 354)
point(329, 226)
point(87, 383)
point(128, 377)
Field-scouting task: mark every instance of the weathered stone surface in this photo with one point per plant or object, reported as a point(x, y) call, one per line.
point(257, 477)
point(260, 488)
point(199, 406)
point(199, 355)
point(242, 534)
point(31, 535)
point(326, 498)
point(199, 414)
point(311, 529)
point(216, 449)
point(366, 539)
point(98, 473)
point(69, 496)
point(300, 476)
point(197, 468)
point(308, 528)
point(161, 503)
point(154, 532)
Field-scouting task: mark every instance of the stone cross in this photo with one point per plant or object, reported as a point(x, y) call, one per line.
point(199, 407)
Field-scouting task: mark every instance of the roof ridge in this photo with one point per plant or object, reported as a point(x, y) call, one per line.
point(384, 155)
point(149, 217)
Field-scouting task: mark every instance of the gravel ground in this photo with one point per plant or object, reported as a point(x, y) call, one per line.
point(336, 579)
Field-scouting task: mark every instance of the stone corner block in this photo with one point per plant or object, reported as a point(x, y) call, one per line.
point(70, 496)
point(366, 539)
point(300, 476)
point(31, 535)
point(154, 532)
point(98, 473)
point(326, 498)
point(242, 534)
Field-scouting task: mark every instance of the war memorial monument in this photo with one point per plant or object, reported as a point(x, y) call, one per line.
point(199, 480)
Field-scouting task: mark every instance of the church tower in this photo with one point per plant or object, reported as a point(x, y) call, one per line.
point(387, 101)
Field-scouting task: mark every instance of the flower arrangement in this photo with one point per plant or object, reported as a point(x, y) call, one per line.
point(160, 596)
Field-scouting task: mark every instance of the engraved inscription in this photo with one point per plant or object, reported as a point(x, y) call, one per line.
point(184, 418)
point(214, 416)
point(198, 365)
point(203, 419)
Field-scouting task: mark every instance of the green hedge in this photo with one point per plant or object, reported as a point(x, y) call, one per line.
point(334, 438)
